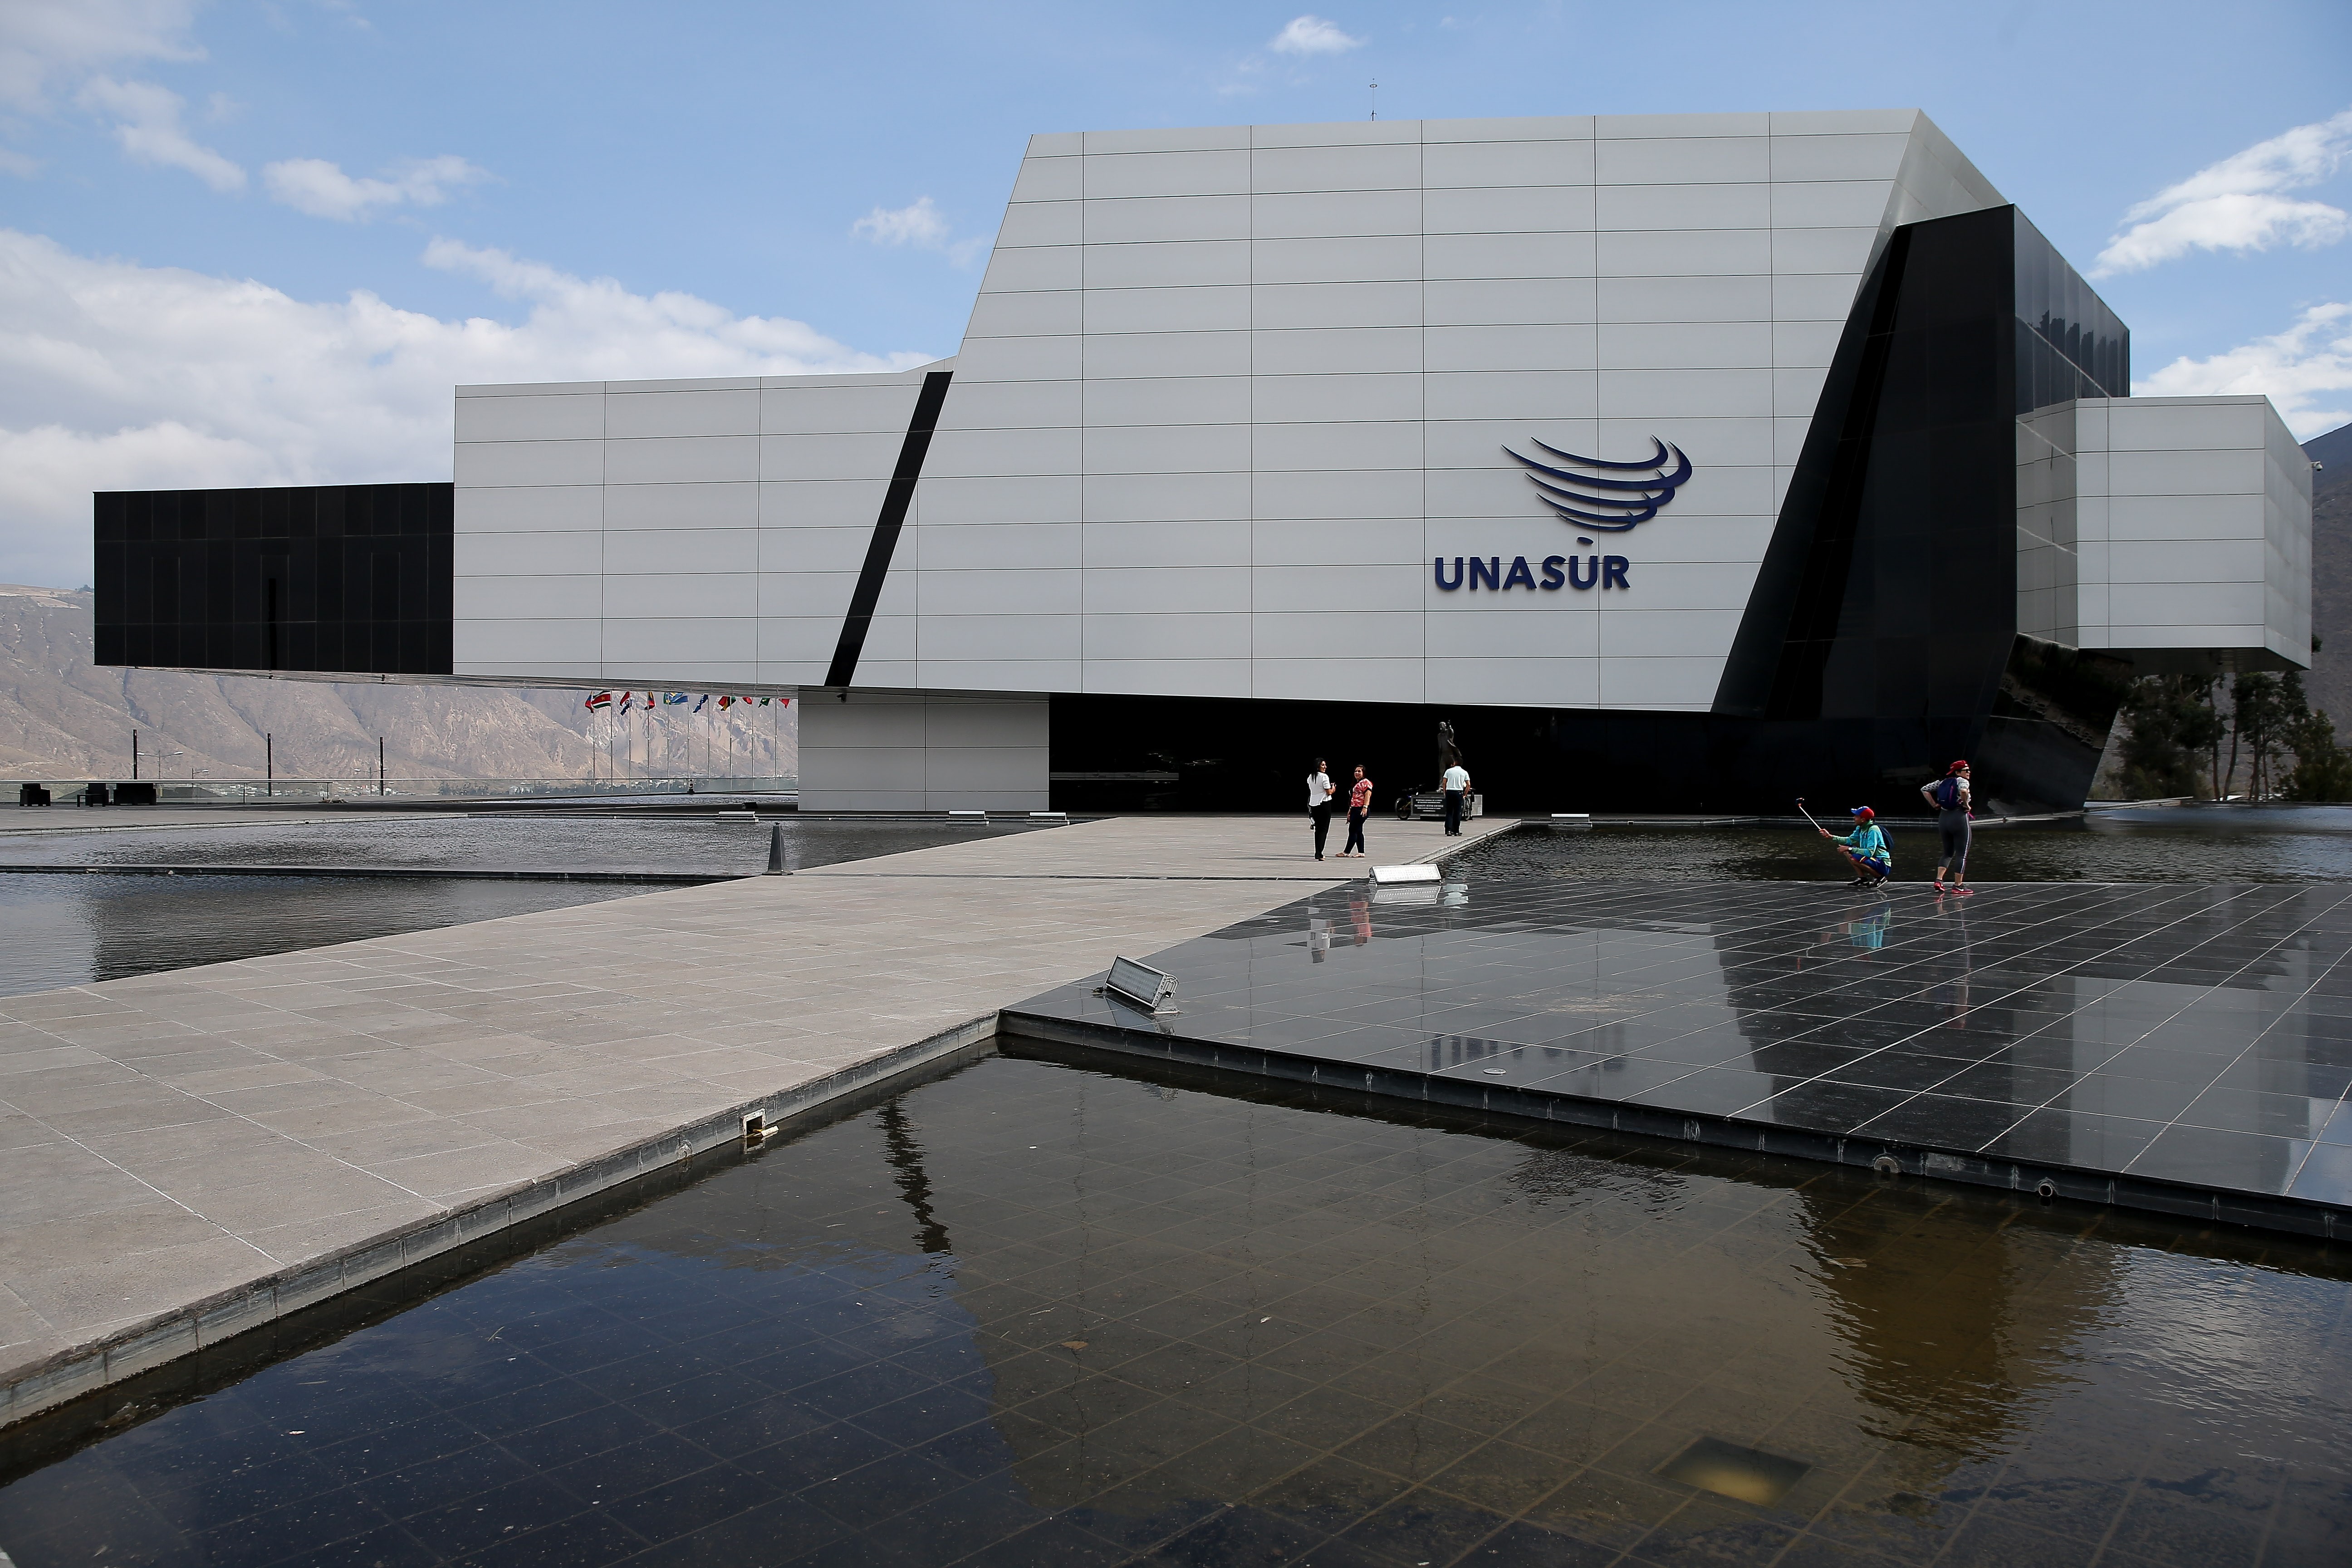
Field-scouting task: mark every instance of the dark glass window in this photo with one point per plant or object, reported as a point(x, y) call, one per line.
point(263, 579)
point(2072, 345)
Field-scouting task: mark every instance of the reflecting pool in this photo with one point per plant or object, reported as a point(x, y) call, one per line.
point(68, 931)
point(1035, 1312)
point(2162, 844)
point(724, 846)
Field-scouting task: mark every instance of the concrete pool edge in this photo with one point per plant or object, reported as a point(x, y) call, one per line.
point(44, 1385)
point(2175, 1200)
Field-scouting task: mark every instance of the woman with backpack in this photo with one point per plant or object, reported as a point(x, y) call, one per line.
point(1949, 795)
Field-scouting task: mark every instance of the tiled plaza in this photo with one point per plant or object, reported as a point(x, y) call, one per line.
point(2185, 1048)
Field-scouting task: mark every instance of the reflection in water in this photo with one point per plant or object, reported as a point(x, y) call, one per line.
point(1866, 931)
point(2183, 844)
point(1215, 1328)
point(906, 1157)
point(1958, 1335)
point(68, 931)
point(553, 840)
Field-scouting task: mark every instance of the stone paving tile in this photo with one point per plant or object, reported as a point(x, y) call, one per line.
point(122, 1233)
point(313, 1122)
point(192, 1181)
point(500, 1163)
point(456, 1064)
point(147, 1113)
point(314, 1236)
point(46, 1056)
point(25, 1334)
point(121, 1289)
point(241, 1209)
point(260, 1073)
point(160, 1148)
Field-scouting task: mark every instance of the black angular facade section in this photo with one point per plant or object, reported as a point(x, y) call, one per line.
point(1880, 641)
point(1884, 617)
point(313, 579)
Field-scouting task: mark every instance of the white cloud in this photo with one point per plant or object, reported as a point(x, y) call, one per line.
point(2235, 204)
point(114, 375)
point(321, 189)
point(42, 41)
point(920, 225)
point(1313, 36)
point(147, 124)
point(2306, 371)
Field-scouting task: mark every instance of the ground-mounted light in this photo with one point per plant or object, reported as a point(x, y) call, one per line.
point(1139, 985)
point(1728, 1469)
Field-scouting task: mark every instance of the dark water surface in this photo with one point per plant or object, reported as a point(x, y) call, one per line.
point(68, 931)
point(2163, 844)
point(1035, 1313)
point(720, 845)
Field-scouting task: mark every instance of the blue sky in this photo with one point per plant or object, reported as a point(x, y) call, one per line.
point(640, 189)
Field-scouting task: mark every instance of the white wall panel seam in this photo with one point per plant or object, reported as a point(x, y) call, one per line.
point(604, 524)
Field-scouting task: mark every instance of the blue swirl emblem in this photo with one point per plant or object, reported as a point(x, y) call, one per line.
point(1597, 501)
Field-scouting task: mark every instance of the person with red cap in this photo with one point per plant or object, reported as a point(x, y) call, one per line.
point(1951, 798)
point(1864, 848)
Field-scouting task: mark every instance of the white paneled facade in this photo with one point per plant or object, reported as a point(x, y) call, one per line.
point(1228, 393)
point(2165, 526)
point(670, 534)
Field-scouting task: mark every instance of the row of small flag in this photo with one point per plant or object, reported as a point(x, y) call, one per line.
point(605, 702)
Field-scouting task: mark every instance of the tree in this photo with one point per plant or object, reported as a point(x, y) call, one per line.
point(2261, 708)
point(2172, 720)
point(2323, 767)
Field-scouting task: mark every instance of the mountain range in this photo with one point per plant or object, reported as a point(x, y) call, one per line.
point(64, 717)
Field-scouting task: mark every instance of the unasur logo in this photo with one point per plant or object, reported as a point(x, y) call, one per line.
point(1611, 498)
point(1597, 501)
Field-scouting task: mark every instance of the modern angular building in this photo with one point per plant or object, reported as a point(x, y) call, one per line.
point(1677, 462)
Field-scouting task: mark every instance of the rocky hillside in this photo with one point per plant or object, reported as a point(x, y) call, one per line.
point(2330, 680)
point(61, 716)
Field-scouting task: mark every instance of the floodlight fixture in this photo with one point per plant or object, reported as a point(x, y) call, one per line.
point(1140, 984)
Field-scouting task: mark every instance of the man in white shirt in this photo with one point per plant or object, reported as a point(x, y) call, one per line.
point(1458, 785)
point(1319, 805)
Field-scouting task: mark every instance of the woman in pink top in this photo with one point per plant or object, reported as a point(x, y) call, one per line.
point(1359, 806)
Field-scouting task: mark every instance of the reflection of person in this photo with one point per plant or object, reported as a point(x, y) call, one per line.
point(1457, 783)
point(1359, 806)
point(1958, 952)
point(1319, 805)
point(1951, 798)
point(1864, 848)
point(1870, 930)
point(1360, 915)
point(1318, 940)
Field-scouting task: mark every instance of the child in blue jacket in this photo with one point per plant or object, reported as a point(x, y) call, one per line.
point(1864, 848)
